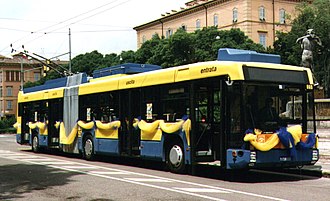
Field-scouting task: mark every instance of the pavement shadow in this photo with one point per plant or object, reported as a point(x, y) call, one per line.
point(257, 176)
point(19, 179)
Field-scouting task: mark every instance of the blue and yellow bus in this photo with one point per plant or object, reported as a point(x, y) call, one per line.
point(227, 112)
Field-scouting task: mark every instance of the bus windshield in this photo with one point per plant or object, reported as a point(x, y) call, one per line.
point(269, 106)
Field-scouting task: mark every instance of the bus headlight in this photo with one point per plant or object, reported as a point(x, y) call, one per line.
point(253, 157)
point(315, 155)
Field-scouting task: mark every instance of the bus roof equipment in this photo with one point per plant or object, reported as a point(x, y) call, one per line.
point(228, 54)
point(127, 68)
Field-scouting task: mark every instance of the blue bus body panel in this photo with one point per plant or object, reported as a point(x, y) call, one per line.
point(43, 140)
point(19, 138)
point(228, 54)
point(52, 84)
point(152, 149)
point(272, 158)
point(106, 146)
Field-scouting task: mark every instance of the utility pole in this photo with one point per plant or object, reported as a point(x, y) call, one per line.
point(22, 75)
point(70, 51)
point(273, 2)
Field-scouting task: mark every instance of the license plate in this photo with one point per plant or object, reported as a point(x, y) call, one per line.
point(285, 158)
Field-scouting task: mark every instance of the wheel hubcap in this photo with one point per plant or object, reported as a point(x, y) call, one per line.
point(35, 143)
point(88, 147)
point(176, 155)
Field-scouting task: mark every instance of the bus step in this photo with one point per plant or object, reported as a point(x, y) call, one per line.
point(55, 139)
point(213, 163)
point(204, 153)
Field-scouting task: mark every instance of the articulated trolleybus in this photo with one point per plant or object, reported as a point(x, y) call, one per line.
point(229, 112)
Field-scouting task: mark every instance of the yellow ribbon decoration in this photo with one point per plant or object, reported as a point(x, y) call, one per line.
point(262, 146)
point(87, 126)
point(107, 130)
point(64, 139)
point(170, 127)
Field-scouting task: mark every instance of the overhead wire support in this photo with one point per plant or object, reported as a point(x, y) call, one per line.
point(45, 63)
point(66, 72)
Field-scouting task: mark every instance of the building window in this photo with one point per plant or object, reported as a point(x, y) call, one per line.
point(144, 39)
point(215, 20)
point(235, 15)
point(169, 33)
point(282, 16)
point(13, 76)
point(262, 13)
point(36, 76)
point(262, 39)
point(184, 27)
point(198, 24)
point(9, 105)
point(9, 90)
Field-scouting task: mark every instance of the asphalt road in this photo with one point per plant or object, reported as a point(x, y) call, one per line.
point(28, 176)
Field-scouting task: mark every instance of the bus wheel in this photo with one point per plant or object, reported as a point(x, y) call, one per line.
point(88, 149)
point(175, 158)
point(35, 144)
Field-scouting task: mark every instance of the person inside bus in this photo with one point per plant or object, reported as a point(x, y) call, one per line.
point(268, 116)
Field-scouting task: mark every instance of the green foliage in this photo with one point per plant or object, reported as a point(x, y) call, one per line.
point(6, 125)
point(87, 62)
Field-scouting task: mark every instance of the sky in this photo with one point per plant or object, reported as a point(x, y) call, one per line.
point(42, 26)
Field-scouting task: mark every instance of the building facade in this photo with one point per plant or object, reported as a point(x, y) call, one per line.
point(11, 79)
point(258, 19)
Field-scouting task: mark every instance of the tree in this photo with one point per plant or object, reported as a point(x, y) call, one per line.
point(147, 50)
point(209, 40)
point(111, 59)
point(87, 62)
point(127, 56)
point(181, 48)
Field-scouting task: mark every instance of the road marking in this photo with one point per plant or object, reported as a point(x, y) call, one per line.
point(37, 159)
point(148, 180)
point(80, 168)
point(24, 157)
point(202, 190)
point(107, 173)
point(56, 163)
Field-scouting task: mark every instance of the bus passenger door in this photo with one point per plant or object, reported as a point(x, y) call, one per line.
point(208, 120)
point(24, 114)
point(55, 114)
point(129, 110)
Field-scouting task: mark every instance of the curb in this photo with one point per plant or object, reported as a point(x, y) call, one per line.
point(326, 173)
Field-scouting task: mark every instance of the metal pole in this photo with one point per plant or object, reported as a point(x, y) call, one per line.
point(22, 75)
point(273, 21)
point(69, 50)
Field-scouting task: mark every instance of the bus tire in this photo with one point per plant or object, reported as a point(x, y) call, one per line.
point(88, 148)
point(175, 158)
point(35, 144)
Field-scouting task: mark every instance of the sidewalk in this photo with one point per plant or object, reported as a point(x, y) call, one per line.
point(324, 150)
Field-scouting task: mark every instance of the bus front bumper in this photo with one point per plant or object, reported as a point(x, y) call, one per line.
point(249, 159)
